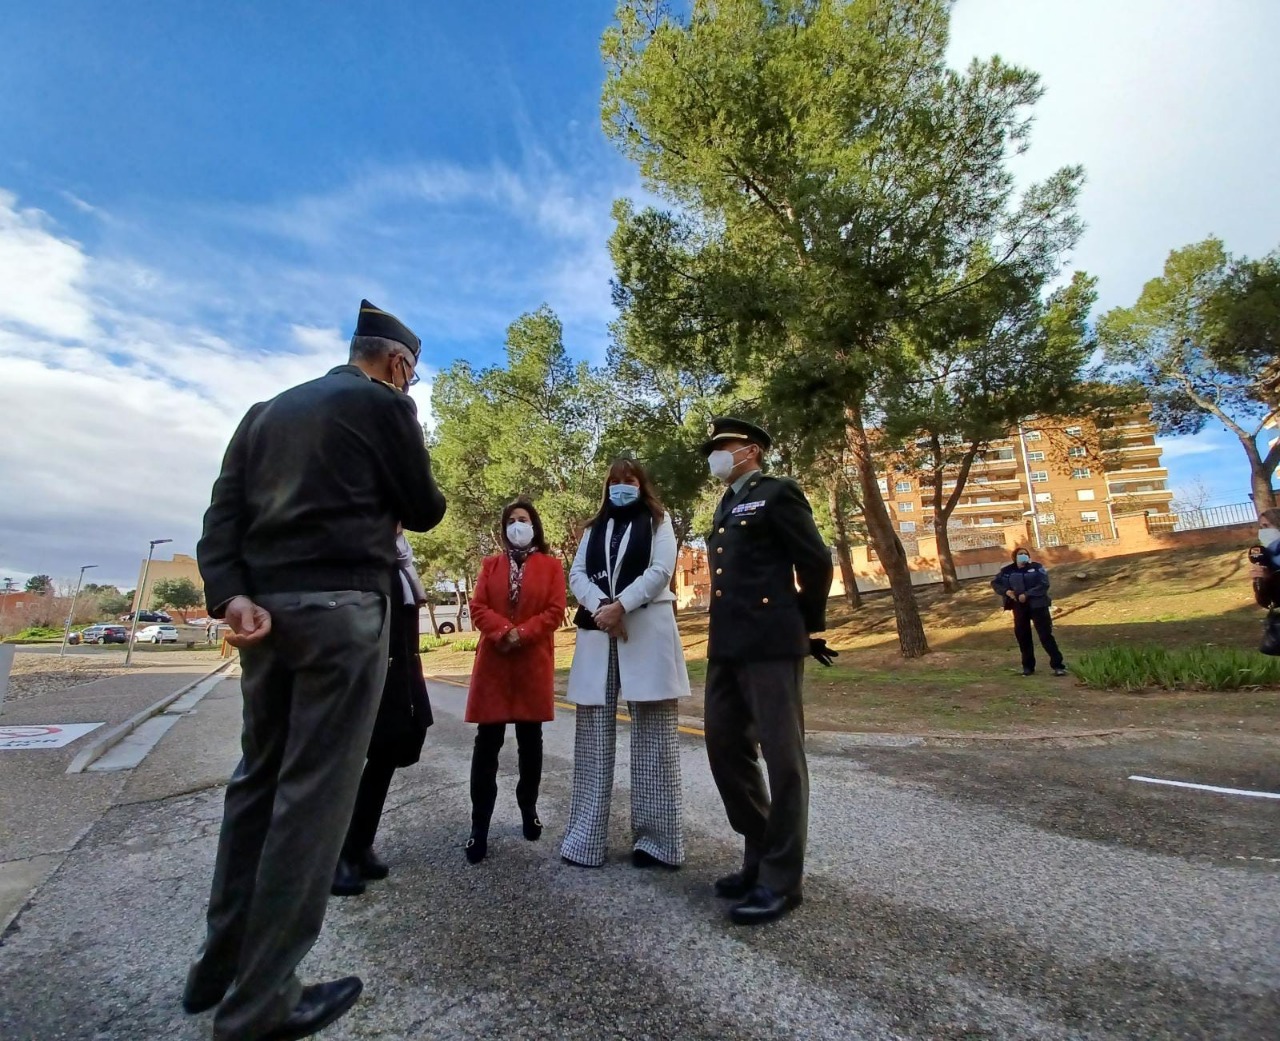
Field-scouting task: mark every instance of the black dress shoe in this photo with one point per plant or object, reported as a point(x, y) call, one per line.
point(346, 880)
point(643, 859)
point(735, 886)
point(194, 1002)
point(369, 865)
point(320, 1005)
point(763, 905)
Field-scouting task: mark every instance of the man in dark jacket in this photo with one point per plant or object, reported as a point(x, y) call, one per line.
point(1023, 586)
point(298, 556)
point(763, 544)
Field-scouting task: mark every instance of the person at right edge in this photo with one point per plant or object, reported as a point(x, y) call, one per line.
point(1023, 586)
point(770, 576)
point(298, 555)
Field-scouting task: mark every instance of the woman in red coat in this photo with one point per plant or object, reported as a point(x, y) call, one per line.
point(517, 606)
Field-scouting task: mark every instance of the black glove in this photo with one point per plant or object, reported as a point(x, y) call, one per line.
point(819, 649)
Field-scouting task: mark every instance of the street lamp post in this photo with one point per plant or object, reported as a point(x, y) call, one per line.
point(137, 602)
point(66, 629)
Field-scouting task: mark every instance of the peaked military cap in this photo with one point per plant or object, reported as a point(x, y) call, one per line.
point(726, 428)
point(374, 321)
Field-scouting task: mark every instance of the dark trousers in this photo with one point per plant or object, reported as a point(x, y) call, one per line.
point(484, 769)
point(1023, 619)
point(375, 782)
point(311, 692)
point(750, 705)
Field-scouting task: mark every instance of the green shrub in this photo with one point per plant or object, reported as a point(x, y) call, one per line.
point(1184, 668)
point(36, 634)
point(429, 643)
point(469, 643)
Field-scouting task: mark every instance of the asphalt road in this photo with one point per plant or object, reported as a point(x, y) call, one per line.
point(947, 898)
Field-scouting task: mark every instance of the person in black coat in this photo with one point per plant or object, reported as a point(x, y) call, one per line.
point(298, 556)
point(1023, 588)
point(404, 715)
point(770, 576)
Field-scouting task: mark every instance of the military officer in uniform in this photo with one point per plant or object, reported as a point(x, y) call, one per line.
point(763, 545)
point(298, 555)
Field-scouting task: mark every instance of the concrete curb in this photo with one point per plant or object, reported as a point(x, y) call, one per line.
point(103, 744)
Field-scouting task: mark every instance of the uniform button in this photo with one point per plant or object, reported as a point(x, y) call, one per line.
point(743, 523)
point(719, 549)
point(718, 592)
point(720, 531)
point(764, 600)
point(333, 603)
point(719, 571)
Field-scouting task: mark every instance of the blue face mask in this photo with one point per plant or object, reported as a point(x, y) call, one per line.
point(1023, 559)
point(623, 494)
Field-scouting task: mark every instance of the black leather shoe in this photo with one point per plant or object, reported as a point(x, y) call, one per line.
point(735, 886)
point(320, 1005)
point(477, 848)
point(346, 880)
point(194, 1002)
point(643, 859)
point(371, 868)
point(763, 905)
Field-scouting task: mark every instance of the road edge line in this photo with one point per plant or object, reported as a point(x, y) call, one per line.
point(94, 751)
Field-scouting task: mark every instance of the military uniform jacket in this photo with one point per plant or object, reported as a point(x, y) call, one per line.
point(764, 543)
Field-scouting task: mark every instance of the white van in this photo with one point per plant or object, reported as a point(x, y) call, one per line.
point(447, 620)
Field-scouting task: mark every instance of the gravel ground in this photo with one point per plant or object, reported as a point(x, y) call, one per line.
point(931, 914)
point(42, 672)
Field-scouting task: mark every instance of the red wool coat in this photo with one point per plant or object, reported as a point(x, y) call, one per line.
point(516, 687)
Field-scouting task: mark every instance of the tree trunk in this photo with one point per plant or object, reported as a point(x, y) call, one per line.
point(431, 614)
point(911, 639)
point(851, 594)
point(1264, 497)
point(946, 563)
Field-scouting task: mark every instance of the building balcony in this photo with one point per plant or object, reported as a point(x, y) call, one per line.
point(994, 465)
point(1144, 492)
point(998, 506)
point(1123, 471)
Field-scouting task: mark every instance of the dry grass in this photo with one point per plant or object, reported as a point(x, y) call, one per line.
point(972, 682)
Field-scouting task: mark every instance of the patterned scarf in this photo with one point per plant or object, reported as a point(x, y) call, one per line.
point(516, 560)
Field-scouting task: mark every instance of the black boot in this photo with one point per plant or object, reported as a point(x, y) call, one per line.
point(477, 847)
point(529, 749)
point(370, 865)
point(484, 787)
point(346, 879)
point(531, 824)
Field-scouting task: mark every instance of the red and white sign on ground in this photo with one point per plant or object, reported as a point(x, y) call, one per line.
point(42, 735)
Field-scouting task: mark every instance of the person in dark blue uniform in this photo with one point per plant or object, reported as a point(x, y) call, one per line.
point(1023, 586)
point(770, 576)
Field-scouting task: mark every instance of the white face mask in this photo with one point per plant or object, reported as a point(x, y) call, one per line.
point(520, 534)
point(721, 463)
point(1268, 535)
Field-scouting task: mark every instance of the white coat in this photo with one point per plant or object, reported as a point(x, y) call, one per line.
point(650, 660)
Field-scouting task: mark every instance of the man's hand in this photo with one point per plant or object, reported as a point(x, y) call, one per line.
point(1011, 594)
point(1022, 598)
point(249, 623)
point(818, 649)
point(1259, 571)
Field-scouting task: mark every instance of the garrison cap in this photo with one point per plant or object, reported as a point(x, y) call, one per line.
point(374, 321)
point(726, 428)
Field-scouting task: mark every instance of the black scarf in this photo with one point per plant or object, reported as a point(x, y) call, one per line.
point(634, 517)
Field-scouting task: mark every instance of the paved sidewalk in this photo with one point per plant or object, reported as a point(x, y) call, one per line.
point(43, 810)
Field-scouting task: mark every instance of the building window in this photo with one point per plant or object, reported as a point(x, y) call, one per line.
point(902, 487)
point(1085, 495)
point(1074, 431)
point(1032, 435)
point(1035, 457)
point(978, 480)
point(984, 499)
point(1077, 452)
point(986, 522)
point(1089, 516)
point(1080, 473)
point(1092, 536)
point(907, 526)
point(1052, 540)
point(906, 507)
point(883, 484)
point(1044, 496)
point(1048, 518)
point(1039, 476)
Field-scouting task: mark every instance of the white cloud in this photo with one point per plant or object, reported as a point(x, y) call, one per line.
point(42, 275)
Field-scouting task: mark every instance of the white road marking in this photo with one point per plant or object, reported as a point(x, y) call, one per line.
point(1206, 787)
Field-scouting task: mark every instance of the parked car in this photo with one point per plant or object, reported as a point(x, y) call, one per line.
point(104, 634)
point(148, 616)
point(157, 634)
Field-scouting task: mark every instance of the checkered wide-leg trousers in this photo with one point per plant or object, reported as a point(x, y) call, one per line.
point(657, 824)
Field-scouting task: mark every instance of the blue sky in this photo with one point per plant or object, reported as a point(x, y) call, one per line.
point(194, 197)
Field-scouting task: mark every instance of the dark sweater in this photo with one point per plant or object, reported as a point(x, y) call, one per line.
point(1033, 580)
point(311, 489)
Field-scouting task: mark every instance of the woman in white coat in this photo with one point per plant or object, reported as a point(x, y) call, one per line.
point(628, 647)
